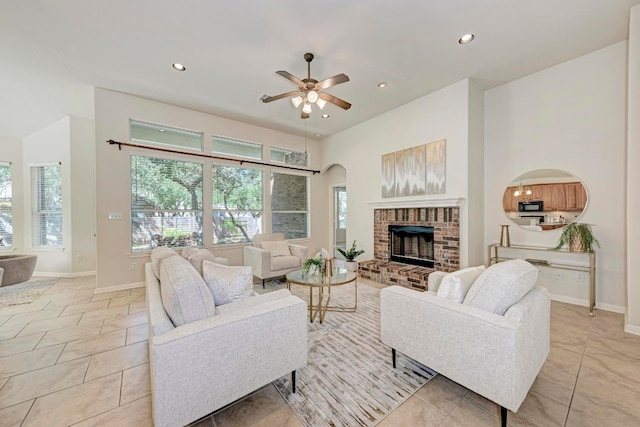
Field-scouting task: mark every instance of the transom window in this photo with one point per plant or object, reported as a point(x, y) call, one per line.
point(289, 157)
point(236, 148)
point(151, 134)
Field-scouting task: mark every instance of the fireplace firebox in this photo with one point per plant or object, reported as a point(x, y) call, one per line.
point(412, 244)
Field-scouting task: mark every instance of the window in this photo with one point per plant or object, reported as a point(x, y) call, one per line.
point(150, 134)
point(166, 203)
point(46, 205)
point(6, 215)
point(289, 211)
point(280, 155)
point(236, 148)
point(237, 204)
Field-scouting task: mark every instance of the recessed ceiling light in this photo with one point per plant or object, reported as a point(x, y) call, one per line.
point(318, 135)
point(178, 67)
point(382, 84)
point(467, 38)
point(325, 116)
point(160, 130)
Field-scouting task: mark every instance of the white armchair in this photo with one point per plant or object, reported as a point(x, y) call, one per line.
point(493, 343)
point(272, 256)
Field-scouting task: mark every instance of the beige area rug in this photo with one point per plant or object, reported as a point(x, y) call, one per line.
point(24, 293)
point(349, 379)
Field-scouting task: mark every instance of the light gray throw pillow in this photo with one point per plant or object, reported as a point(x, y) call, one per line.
point(158, 255)
point(198, 257)
point(185, 296)
point(502, 285)
point(228, 283)
point(454, 286)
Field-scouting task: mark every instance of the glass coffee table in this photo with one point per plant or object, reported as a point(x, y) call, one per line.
point(323, 285)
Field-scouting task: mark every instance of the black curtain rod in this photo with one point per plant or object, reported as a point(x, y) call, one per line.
point(208, 156)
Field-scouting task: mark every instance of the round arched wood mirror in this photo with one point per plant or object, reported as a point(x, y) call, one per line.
point(545, 199)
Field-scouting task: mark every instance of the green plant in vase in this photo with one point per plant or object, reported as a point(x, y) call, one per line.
point(578, 237)
point(350, 255)
point(312, 266)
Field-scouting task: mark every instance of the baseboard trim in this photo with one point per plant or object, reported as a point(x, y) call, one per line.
point(585, 303)
point(632, 329)
point(116, 288)
point(78, 274)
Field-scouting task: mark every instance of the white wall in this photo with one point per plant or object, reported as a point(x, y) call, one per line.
point(83, 203)
point(633, 176)
point(569, 117)
point(113, 111)
point(441, 115)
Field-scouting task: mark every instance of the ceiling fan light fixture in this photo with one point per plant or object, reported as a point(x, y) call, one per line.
point(325, 116)
point(296, 101)
point(312, 96)
point(321, 103)
point(306, 108)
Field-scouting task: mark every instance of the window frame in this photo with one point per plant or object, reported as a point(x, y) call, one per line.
point(37, 212)
point(7, 211)
point(132, 211)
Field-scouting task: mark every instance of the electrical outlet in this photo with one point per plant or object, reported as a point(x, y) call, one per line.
point(78, 258)
point(558, 275)
point(115, 215)
point(134, 265)
point(580, 276)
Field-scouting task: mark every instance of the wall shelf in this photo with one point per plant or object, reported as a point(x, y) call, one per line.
point(586, 262)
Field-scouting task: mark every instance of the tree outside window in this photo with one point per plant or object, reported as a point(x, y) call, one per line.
point(166, 203)
point(237, 204)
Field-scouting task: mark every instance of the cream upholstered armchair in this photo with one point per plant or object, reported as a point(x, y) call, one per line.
point(273, 256)
point(487, 330)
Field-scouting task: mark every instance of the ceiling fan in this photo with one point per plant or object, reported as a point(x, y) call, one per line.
point(310, 91)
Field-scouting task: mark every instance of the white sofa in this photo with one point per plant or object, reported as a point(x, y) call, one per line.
point(205, 364)
point(497, 355)
point(272, 256)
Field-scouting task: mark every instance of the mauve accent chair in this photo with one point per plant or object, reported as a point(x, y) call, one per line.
point(17, 268)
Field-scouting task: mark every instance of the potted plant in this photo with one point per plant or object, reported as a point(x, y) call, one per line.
point(313, 266)
point(350, 255)
point(578, 237)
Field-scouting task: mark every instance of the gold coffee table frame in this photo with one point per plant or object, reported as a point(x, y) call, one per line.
point(322, 283)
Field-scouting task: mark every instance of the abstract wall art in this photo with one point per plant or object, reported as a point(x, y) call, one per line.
point(388, 175)
point(436, 167)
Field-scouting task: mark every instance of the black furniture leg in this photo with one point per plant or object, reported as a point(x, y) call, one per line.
point(262, 283)
point(293, 381)
point(393, 357)
point(503, 416)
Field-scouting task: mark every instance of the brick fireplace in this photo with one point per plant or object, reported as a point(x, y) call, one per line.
point(445, 222)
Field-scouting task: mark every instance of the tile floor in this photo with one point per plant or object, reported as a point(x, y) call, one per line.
point(75, 358)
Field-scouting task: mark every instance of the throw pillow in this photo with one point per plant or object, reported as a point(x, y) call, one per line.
point(434, 280)
point(454, 286)
point(502, 285)
point(188, 251)
point(228, 283)
point(197, 258)
point(277, 247)
point(185, 296)
point(158, 255)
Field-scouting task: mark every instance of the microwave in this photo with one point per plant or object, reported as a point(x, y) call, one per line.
point(530, 206)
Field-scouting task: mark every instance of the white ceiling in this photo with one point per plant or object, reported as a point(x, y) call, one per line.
point(55, 52)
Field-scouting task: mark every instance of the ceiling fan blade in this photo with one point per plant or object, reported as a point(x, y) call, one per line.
point(282, 95)
point(334, 100)
point(332, 81)
point(304, 115)
point(287, 75)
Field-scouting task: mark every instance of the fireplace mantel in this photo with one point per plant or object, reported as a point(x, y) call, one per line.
point(418, 203)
